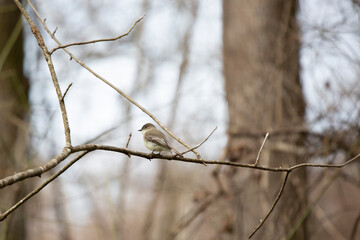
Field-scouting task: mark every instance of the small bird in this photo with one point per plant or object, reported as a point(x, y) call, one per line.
point(155, 140)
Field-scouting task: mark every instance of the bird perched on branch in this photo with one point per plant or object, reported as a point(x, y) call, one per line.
point(155, 140)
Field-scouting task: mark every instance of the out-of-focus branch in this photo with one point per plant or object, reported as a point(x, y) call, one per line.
point(187, 219)
point(127, 143)
point(66, 91)
point(197, 146)
point(185, 59)
point(154, 202)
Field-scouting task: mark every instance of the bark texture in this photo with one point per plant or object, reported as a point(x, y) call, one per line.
point(261, 67)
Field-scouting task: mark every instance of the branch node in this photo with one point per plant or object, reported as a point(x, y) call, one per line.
point(67, 89)
point(55, 30)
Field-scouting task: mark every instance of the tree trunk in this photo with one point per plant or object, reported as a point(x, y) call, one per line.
point(261, 68)
point(13, 112)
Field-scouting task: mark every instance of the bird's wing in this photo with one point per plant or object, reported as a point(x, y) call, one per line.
point(158, 140)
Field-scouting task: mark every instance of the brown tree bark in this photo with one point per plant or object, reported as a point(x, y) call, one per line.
point(261, 67)
point(13, 114)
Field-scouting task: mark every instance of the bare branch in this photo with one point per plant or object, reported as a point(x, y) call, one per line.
point(215, 173)
point(261, 148)
point(35, 172)
point(99, 40)
point(128, 141)
point(197, 146)
point(67, 89)
point(30, 195)
point(273, 205)
point(324, 165)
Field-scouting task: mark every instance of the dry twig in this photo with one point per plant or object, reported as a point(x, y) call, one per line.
point(273, 205)
point(197, 146)
point(67, 89)
point(261, 148)
point(98, 40)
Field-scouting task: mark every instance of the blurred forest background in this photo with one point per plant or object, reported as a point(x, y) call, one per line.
point(290, 68)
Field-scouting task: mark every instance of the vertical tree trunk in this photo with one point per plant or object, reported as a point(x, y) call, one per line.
point(13, 110)
point(261, 67)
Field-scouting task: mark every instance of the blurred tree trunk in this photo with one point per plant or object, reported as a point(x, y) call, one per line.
point(13, 114)
point(261, 42)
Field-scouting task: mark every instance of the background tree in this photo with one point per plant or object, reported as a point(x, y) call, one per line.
point(14, 108)
point(261, 66)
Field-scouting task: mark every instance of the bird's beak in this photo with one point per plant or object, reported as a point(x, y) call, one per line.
point(139, 130)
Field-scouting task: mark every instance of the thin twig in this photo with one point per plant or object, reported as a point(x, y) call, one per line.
point(99, 40)
point(197, 146)
point(193, 148)
point(127, 143)
point(38, 189)
point(67, 89)
point(261, 148)
point(54, 34)
point(273, 205)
